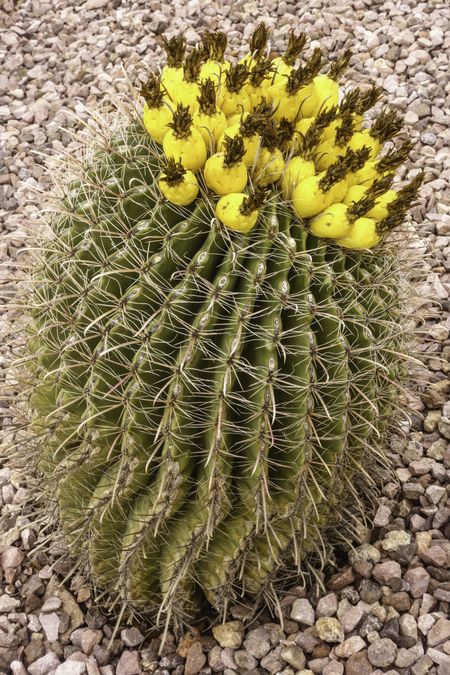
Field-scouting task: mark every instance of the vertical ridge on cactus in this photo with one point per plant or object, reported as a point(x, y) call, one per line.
point(209, 377)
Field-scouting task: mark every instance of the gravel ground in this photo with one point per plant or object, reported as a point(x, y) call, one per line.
point(387, 609)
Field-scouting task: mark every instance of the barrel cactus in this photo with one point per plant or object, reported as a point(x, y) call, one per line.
point(216, 329)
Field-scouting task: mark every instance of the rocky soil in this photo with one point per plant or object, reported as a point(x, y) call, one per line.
point(387, 609)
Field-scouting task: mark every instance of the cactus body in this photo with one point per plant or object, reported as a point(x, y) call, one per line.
point(205, 396)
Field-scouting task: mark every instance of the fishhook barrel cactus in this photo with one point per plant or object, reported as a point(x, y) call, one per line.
point(216, 325)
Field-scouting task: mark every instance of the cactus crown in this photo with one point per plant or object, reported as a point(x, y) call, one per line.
point(236, 77)
point(207, 98)
point(259, 40)
point(181, 122)
point(303, 75)
point(174, 172)
point(294, 48)
point(152, 92)
point(192, 64)
point(215, 44)
point(234, 150)
point(175, 49)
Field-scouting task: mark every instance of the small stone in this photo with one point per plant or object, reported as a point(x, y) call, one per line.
point(351, 618)
point(435, 555)
point(215, 659)
point(386, 572)
point(307, 640)
point(89, 639)
point(303, 612)
point(44, 665)
point(329, 629)
point(327, 605)
point(11, 557)
point(52, 604)
point(358, 664)
point(405, 658)
point(8, 604)
point(341, 579)
point(131, 637)
point(370, 624)
point(369, 591)
point(408, 626)
point(434, 493)
point(128, 664)
point(333, 668)
point(382, 516)
point(439, 657)
point(428, 138)
point(404, 554)
point(400, 601)
point(422, 666)
point(294, 656)
point(245, 660)
point(350, 646)
point(272, 662)
point(17, 668)
point(229, 634)
point(95, 4)
point(257, 642)
point(394, 539)
point(71, 667)
point(418, 580)
point(50, 623)
point(439, 632)
point(195, 659)
point(425, 622)
point(364, 553)
point(382, 653)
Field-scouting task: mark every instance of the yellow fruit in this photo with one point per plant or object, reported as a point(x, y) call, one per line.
point(255, 94)
point(269, 166)
point(380, 210)
point(308, 199)
point(222, 179)
point(363, 234)
point(236, 118)
point(190, 150)
point(307, 101)
point(282, 70)
point(304, 124)
point(329, 133)
point(338, 191)
point(296, 170)
point(366, 175)
point(171, 76)
point(326, 154)
point(182, 193)
point(354, 194)
point(156, 121)
point(363, 138)
point(332, 223)
point(215, 70)
point(285, 105)
point(234, 102)
point(228, 211)
point(211, 127)
point(326, 92)
point(187, 94)
point(251, 143)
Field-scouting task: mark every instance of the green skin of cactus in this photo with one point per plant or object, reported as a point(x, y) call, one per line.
point(204, 397)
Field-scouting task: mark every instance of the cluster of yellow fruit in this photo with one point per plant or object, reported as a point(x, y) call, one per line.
point(234, 129)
